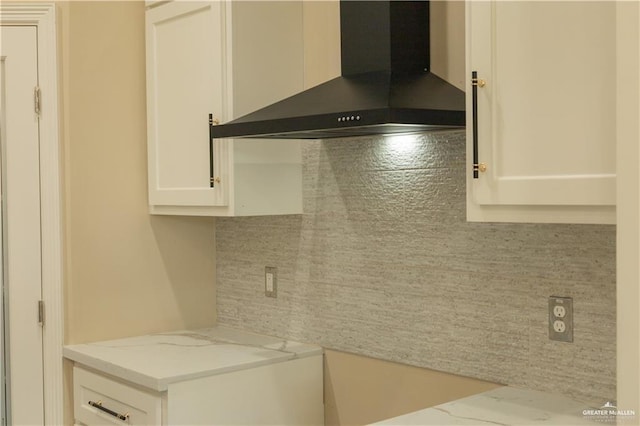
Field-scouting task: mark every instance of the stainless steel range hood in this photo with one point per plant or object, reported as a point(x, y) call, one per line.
point(385, 87)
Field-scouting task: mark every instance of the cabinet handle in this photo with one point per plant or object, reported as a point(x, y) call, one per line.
point(98, 405)
point(212, 122)
point(475, 82)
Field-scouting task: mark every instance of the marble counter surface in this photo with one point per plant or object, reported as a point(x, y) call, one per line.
point(502, 406)
point(157, 360)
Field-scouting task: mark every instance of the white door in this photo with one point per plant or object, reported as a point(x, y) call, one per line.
point(21, 247)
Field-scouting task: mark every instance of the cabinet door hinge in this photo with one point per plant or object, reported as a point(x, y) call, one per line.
point(37, 100)
point(41, 312)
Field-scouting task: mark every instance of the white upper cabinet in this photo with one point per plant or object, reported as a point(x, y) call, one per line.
point(223, 59)
point(184, 72)
point(546, 111)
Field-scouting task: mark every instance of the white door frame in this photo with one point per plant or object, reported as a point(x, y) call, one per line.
point(43, 16)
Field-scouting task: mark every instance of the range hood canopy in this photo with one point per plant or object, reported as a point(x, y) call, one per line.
point(385, 86)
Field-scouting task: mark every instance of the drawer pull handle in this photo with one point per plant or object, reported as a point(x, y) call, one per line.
point(98, 405)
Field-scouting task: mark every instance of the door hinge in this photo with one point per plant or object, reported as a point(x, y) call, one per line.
point(41, 312)
point(37, 100)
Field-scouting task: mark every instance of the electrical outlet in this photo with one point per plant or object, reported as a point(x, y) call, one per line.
point(561, 319)
point(270, 281)
point(559, 311)
point(559, 326)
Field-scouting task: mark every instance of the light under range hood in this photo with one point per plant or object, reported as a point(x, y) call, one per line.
point(386, 86)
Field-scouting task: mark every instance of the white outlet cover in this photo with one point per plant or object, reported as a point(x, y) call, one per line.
point(559, 311)
point(559, 326)
point(560, 315)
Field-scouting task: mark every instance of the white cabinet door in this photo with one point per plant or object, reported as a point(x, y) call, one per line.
point(225, 59)
point(286, 393)
point(546, 115)
point(185, 83)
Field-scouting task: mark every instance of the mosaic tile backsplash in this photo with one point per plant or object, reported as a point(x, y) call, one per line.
point(382, 263)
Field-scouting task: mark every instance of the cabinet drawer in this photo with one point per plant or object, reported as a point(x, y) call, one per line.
point(99, 400)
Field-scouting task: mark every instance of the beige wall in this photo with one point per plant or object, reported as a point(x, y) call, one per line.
point(127, 273)
point(360, 390)
point(447, 23)
point(628, 208)
point(322, 41)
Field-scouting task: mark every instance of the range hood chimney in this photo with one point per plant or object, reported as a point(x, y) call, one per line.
point(386, 85)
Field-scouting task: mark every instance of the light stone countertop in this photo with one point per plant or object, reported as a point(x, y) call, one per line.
point(156, 360)
point(503, 406)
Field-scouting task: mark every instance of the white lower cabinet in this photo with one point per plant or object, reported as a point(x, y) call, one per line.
point(284, 393)
point(100, 400)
